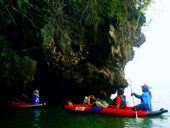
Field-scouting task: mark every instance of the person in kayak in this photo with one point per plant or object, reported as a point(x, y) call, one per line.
point(145, 99)
point(35, 97)
point(120, 100)
point(100, 101)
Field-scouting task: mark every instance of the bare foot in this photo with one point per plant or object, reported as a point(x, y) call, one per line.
point(70, 103)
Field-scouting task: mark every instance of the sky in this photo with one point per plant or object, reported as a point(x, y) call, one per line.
point(151, 63)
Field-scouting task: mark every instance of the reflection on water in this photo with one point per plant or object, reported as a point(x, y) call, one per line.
point(55, 117)
point(36, 123)
point(139, 122)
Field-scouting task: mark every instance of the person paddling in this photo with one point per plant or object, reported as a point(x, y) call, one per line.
point(35, 97)
point(145, 99)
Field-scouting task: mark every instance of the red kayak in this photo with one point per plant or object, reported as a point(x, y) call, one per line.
point(128, 112)
point(21, 104)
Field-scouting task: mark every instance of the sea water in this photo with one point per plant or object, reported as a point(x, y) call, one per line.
point(55, 117)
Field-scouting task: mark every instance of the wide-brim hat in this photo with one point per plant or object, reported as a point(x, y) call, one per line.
point(36, 91)
point(145, 86)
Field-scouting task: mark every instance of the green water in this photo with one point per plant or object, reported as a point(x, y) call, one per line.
point(55, 117)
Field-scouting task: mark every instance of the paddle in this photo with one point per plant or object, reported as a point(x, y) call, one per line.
point(133, 99)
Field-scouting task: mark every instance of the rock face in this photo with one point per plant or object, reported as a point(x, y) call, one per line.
point(79, 47)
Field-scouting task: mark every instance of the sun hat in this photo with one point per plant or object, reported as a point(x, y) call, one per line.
point(36, 91)
point(145, 87)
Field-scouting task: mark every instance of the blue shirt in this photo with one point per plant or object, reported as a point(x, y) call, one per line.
point(145, 100)
point(36, 99)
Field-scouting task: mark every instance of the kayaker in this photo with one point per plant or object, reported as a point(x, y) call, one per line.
point(100, 101)
point(36, 98)
point(145, 99)
point(120, 100)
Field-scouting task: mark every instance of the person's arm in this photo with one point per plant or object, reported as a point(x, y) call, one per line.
point(117, 102)
point(113, 106)
point(88, 101)
point(136, 95)
point(143, 101)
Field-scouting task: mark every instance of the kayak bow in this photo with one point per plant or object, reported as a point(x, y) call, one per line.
point(21, 104)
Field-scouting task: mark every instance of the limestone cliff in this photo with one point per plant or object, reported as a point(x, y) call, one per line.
point(79, 47)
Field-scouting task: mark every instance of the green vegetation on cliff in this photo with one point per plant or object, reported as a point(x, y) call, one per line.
point(77, 45)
